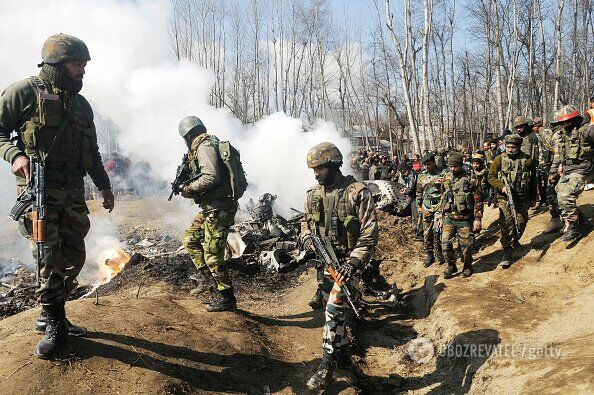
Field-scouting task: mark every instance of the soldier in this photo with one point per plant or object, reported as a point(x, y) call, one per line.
point(54, 123)
point(546, 137)
point(440, 158)
point(408, 177)
point(462, 207)
point(574, 146)
point(343, 210)
point(429, 185)
point(206, 237)
point(479, 171)
point(518, 169)
point(523, 127)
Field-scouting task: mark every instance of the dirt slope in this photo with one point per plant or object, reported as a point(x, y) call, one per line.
point(164, 341)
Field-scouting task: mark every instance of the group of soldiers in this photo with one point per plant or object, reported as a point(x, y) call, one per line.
point(547, 164)
point(53, 123)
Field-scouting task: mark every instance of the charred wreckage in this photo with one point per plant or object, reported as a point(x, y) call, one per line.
point(265, 242)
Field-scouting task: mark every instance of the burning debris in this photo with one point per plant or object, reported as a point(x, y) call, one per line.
point(111, 263)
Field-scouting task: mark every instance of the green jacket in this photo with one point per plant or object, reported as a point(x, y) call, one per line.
point(520, 173)
point(25, 109)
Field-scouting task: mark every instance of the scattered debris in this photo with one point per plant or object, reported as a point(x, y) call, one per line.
point(388, 197)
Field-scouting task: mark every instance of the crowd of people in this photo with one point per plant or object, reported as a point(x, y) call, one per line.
point(534, 166)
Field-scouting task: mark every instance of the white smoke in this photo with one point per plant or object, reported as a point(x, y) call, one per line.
point(134, 80)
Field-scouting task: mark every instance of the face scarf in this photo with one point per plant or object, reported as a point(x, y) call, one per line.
point(56, 75)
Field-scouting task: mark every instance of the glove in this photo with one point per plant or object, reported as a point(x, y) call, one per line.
point(349, 268)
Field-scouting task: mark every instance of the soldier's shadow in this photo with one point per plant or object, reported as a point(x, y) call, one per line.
point(457, 364)
point(489, 262)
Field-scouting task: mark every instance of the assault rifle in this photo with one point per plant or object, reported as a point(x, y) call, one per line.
point(447, 197)
point(182, 177)
point(512, 206)
point(32, 198)
point(326, 253)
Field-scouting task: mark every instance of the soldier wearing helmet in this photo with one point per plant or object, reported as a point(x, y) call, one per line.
point(519, 170)
point(523, 127)
point(546, 189)
point(461, 208)
point(341, 209)
point(54, 123)
point(574, 148)
point(429, 185)
point(205, 238)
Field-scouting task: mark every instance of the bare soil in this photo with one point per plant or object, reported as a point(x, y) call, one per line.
point(147, 335)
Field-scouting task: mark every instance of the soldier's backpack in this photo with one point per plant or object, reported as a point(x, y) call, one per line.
point(232, 160)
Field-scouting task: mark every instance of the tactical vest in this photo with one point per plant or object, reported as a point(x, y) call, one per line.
point(575, 149)
point(530, 145)
point(516, 172)
point(332, 215)
point(457, 199)
point(63, 139)
point(223, 190)
point(432, 189)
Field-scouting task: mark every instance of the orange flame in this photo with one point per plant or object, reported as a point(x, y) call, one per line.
point(111, 262)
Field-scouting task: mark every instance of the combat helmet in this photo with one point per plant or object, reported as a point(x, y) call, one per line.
point(521, 121)
point(568, 112)
point(322, 154)
point(191, 124)
point(63, 48)
point(513, 139)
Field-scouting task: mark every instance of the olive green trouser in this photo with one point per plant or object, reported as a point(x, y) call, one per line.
point(67, 224)
point(205, 241)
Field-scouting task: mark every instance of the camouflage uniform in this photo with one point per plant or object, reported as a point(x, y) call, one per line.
point(74, 154)
point(574, 148)
point(520, 172)
point(547, 138)
point(206, 238)
point(461, 203)
point(353, 235)
point(429, 187)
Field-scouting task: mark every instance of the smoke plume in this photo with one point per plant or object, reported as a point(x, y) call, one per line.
point(134, 80)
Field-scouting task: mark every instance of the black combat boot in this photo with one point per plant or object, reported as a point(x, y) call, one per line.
point(506, 259)
point(572, 232)
point(55, 332)
point(317, 302)
point(467, 269)
point(450, 270)
point(73, 330)
point(555, 225)
point(429, 260)
point(204, 281)
point(226, 302)
point(439, 256)
point(323, 376)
